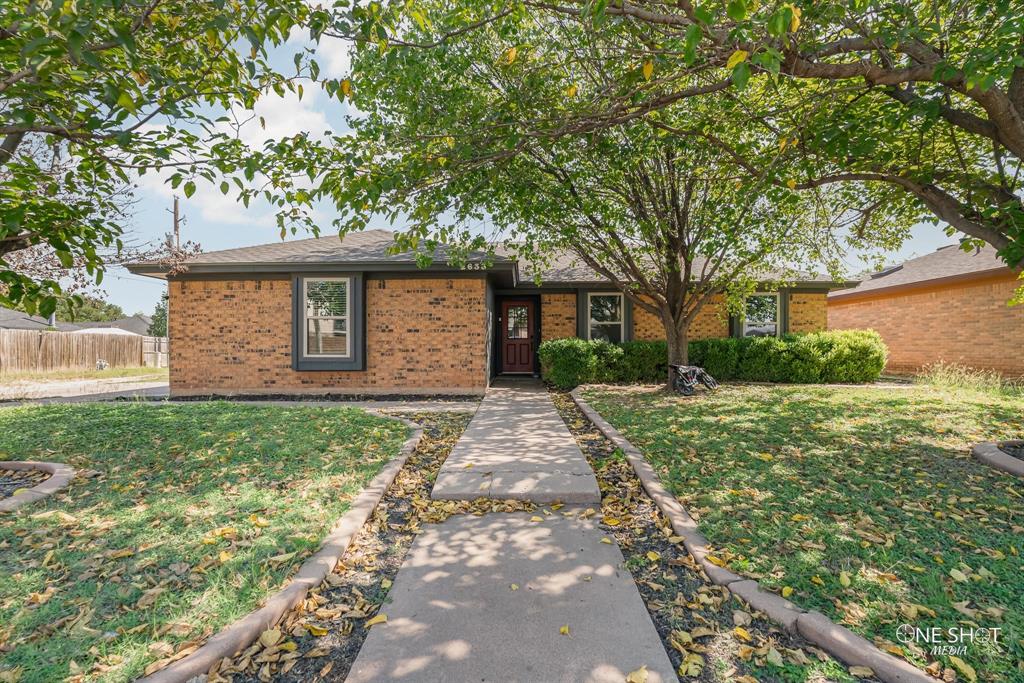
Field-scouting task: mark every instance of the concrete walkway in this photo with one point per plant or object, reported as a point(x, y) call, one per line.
point(517, 447)
point(454, 615)
point(490, 598)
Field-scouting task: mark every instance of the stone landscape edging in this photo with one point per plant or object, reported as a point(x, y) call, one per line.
point(244, 631)
point(989, 453)
point(60, 476)
point(837, 640)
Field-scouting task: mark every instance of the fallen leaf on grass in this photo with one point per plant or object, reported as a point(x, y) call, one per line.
point(385, 584)
point(787, 591)
point(963, 667)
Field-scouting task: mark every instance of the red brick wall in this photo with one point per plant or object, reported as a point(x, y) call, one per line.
point(711, 321)
point(965, 323)
point(235, 336)
point(557, 316)
point(808, 311)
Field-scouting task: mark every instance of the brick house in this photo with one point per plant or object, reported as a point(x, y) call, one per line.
point(948, 306)
point(346, 316)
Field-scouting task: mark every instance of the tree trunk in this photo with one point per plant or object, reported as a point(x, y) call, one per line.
point(677, 337)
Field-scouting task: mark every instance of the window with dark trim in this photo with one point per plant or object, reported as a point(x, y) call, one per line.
point(607, 317)
point(327, 322)
point(762, 316)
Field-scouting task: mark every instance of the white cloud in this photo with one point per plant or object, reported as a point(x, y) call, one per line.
point(213, 207)
point(283, 117)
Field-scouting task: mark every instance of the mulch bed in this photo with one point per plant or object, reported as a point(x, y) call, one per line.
point(709, 634)
point(1015, 449)
point(17, 480)
point(319, 640)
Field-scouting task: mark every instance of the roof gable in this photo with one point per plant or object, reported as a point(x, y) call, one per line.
point(945, 263)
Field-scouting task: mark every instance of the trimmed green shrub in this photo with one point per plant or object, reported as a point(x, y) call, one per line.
point(608, 362)
point(802, 359)
point(643, 361)
point(848, 356)
point(567, 363)
point(720, 357)
point(762, 359)
point(851, 355)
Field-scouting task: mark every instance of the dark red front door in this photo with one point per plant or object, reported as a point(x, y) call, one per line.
point(517, 333)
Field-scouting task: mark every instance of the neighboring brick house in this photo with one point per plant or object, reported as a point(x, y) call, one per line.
point(948, 306)
point(346, 316)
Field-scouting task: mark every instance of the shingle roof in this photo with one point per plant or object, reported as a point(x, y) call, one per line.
point(944, 263)
point(566, 267)
point(370, 247)
point(19, 320)
point(367, 246)
point(136, 324)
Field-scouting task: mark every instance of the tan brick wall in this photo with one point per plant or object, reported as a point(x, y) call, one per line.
point(711, 321)
point(557, 316)
point(808, 311)
point(235, 336)
point(966, 323)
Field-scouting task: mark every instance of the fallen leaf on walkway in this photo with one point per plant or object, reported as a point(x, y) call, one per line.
point(862, 672)
point(535, 518)
point(606, 540)
point(564, 630)
point(638, 676)
point(514, 586)
point(379, 619)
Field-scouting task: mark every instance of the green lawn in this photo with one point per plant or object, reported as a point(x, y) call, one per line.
point(196, 513)
point(864, 502)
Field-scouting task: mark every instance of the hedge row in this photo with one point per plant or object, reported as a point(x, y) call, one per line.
point(837, 356)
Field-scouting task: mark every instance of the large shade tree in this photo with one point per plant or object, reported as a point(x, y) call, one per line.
point(915, 102)
point(671, 222)
point(94, 92)
point(671, 219)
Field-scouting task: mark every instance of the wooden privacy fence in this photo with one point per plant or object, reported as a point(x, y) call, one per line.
point(33, 351)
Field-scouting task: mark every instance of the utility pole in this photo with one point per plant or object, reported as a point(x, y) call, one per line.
point(177, 226)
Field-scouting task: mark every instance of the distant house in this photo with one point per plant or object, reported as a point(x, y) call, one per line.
point(349, 316)
point(948, 306)
point(20, 320)
point(136, 324)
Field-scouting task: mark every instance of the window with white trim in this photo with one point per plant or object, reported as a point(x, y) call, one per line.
point(761, 316)
point(606, 315)
point(327, 325)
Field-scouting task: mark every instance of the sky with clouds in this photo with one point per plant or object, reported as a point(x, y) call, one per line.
point(217, 221)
